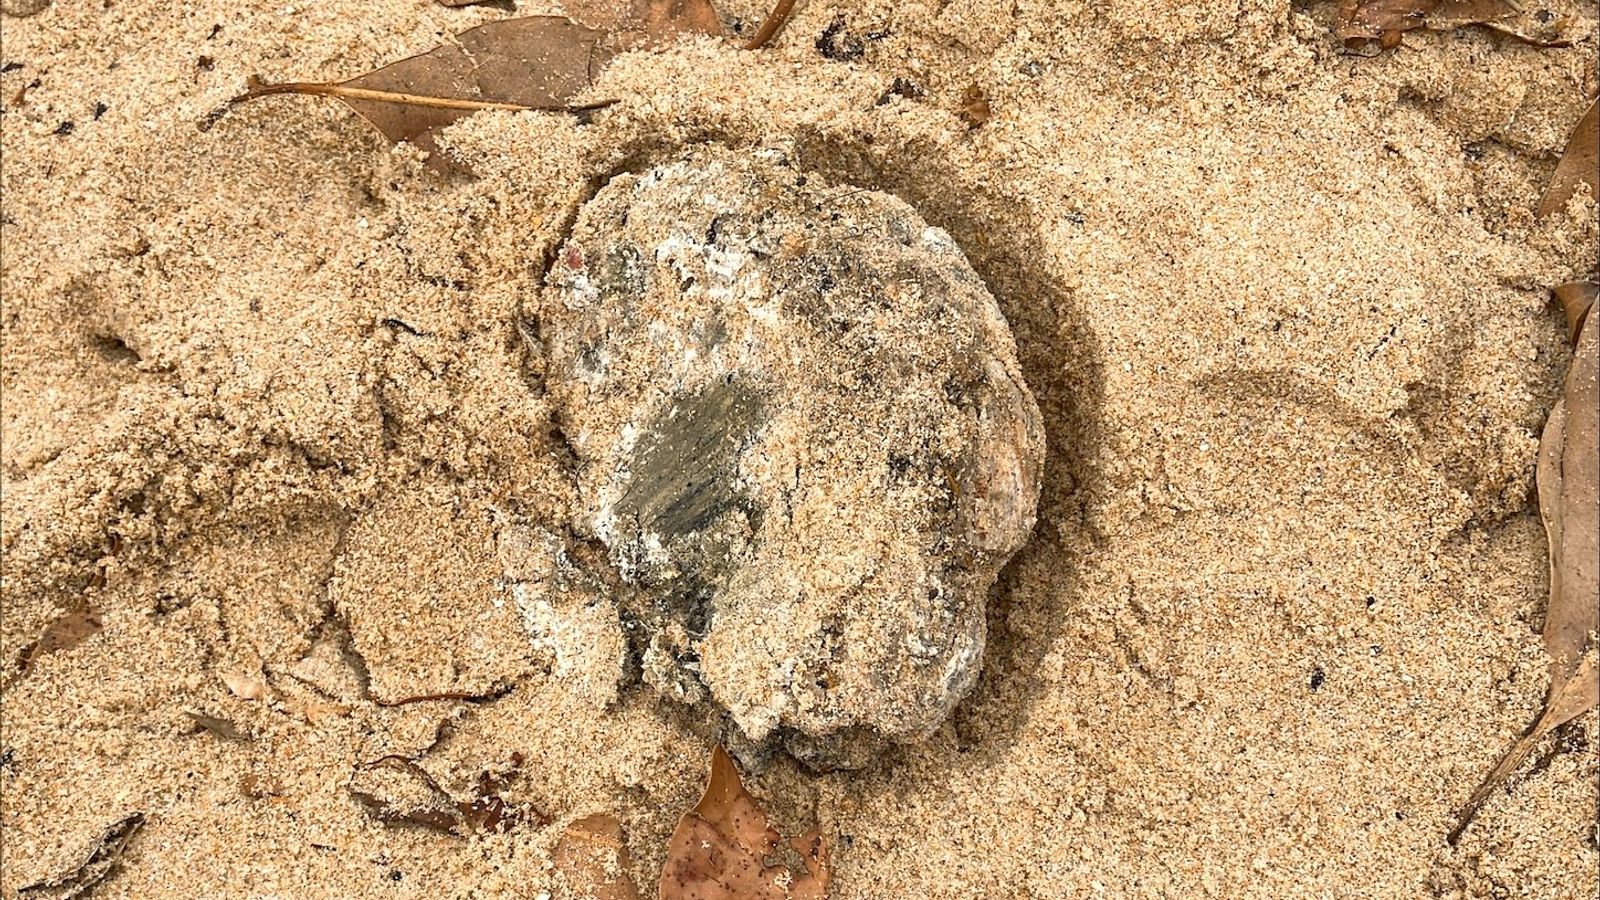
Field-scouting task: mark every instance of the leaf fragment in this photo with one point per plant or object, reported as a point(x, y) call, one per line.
point(69, 629)
point(720, 847)
point(99, 862)
point(771, 25)
point(222, 728)
point(975, 110)
point(421, 800)
point(594, 860)
point(1576, 298)
point(1569, 505)
point(1360, 23)
point(258, 787)
point(1580, 164)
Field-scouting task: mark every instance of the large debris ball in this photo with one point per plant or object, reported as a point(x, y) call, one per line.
point(803, 436)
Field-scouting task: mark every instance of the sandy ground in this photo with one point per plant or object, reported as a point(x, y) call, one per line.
point(268, 410)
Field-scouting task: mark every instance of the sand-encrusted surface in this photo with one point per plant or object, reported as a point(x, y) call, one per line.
point(270, 407)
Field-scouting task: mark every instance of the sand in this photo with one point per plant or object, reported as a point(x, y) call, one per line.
point(268, 409)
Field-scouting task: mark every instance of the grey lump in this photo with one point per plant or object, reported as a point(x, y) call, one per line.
point(804, 439)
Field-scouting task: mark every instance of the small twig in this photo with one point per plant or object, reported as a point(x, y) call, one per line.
point(771, 25)
point(494, 693)
point(1509, 761)
point(1530, 40)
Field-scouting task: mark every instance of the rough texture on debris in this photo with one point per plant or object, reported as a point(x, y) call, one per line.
point(802, 433)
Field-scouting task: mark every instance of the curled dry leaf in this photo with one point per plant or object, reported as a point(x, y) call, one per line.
point(1569, 505)
point(98, 863)
point(594, 861)
point(1580, 164)
point(719, 849)
point(417, 798)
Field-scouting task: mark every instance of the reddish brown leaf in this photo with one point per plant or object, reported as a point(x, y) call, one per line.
point(1580, 164)
point(593, 859)
point(1569, 505)
point(719, 849)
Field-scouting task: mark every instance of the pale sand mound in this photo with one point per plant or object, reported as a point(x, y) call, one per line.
point(1284, 311)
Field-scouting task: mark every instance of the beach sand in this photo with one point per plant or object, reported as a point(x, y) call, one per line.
point(269, 411)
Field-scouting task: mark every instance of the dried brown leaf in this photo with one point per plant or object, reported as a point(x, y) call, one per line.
point(98, 863)
point(1580, 164)
point(593, 859)
point(258, 787)
point(1574, 523)
point(1363, 22)
point(647, 21)
point(1576, 298)
point(661, 20)
point(69, 629)
point(1449, 14)
point(719, 849)
point(438, 811)
point(1569, 505)
point(1359, 22)
point(419, 799)
point(528, 63)
point(223, 728)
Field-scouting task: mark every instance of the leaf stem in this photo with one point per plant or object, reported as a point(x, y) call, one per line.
point(344, 92)
point(770, 25)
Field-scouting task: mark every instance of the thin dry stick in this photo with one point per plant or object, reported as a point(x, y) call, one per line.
point(1528, 39)
point(1508, 763)
point(322, 89)
point(770, 25)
